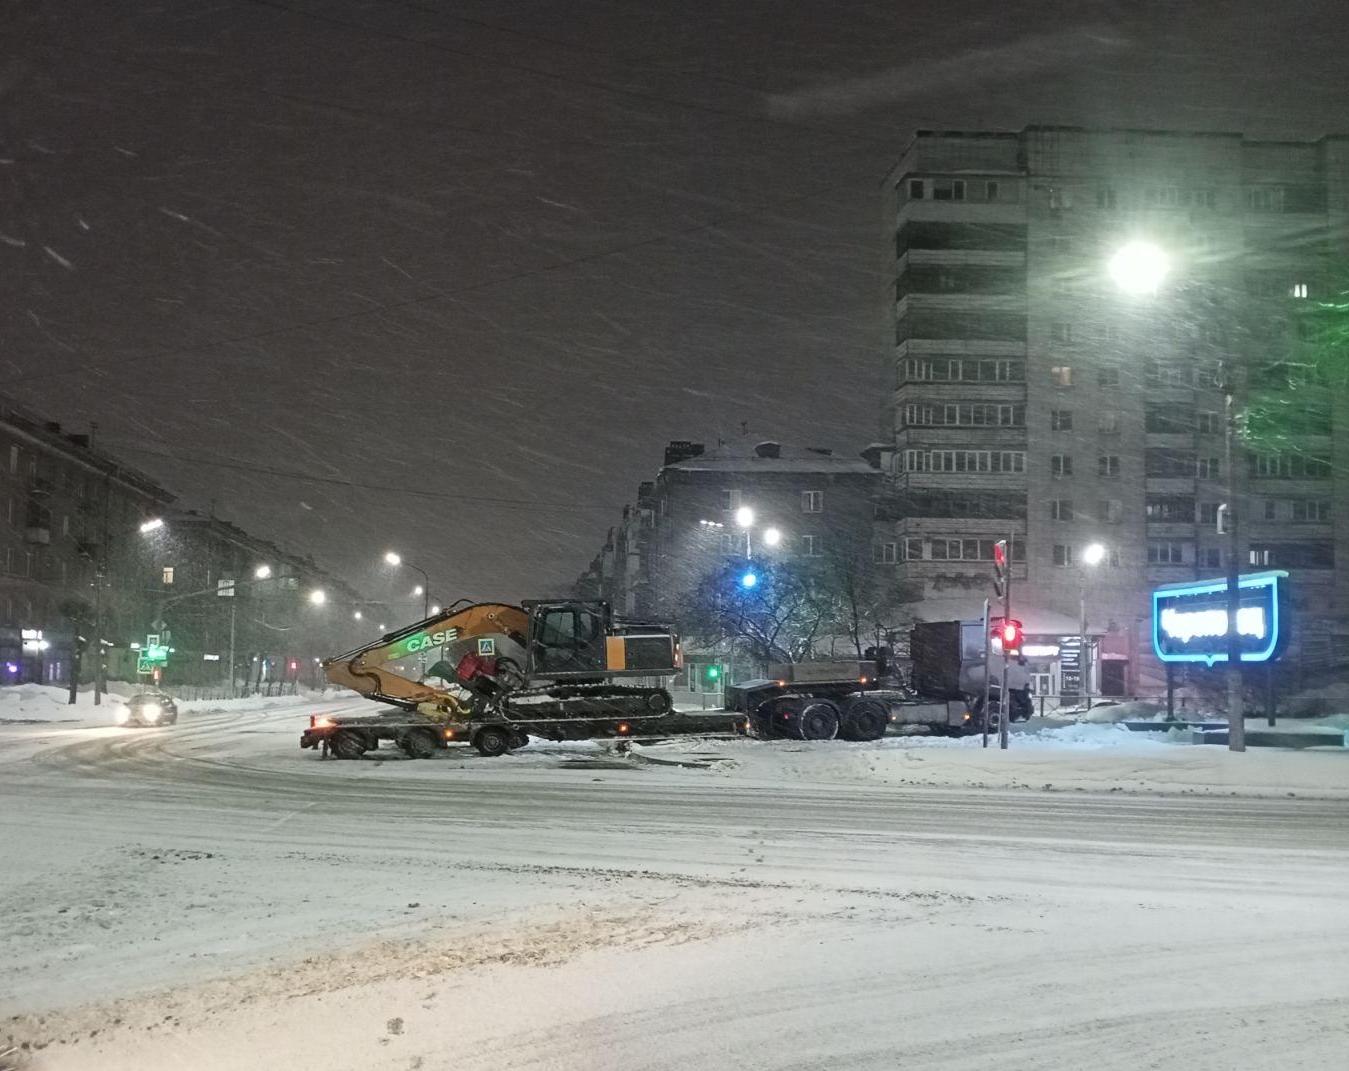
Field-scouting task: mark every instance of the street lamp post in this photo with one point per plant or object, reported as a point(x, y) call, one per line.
point(1138, 268)
point(1092, 554)
point(395, 559)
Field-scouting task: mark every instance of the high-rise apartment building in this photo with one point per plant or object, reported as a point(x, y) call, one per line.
point(1036, 398)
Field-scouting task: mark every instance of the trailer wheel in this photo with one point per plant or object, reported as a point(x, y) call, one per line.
point(865, 719)
point(348, 744)
point(818, 720)
point(419, 744)
point(493, 741)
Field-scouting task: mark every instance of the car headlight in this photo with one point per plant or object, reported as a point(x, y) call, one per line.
point(122, 715)
point(151, 711)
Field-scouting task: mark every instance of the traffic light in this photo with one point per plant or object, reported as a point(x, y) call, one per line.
point(1000, 566)
point(713, 672)
point(1008, 633)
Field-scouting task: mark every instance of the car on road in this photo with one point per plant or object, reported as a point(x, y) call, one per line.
point(146, 709)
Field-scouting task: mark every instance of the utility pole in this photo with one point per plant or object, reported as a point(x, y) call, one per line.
point(988, 666)
point(231, 665)
point(1236, 714)
point(1003, 705)
point(100, 568)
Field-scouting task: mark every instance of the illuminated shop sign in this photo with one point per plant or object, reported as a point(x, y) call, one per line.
point(1189, 620)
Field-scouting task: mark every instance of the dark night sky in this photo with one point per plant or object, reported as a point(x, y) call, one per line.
point(487, 255)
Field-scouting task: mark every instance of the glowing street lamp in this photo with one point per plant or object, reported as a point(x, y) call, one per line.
point(153, 524)
point(318, 597)
point(357, 615)
point(262, 572)
point(744, 517)
point(393, 558)
point(1139, 267)
point(772, 537)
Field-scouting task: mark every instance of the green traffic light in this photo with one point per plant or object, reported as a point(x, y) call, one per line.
point(713, 672)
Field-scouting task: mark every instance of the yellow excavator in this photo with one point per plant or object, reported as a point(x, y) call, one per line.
point(539, 661)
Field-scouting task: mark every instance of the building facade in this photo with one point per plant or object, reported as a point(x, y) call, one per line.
point(73, 553)
point(806, 503)
point(1038, 397)
point(70, 518)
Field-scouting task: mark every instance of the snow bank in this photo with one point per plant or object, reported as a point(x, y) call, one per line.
point(40, 703)
point(1078, 757)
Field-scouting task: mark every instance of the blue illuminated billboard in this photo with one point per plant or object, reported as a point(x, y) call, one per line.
point(1189, 620)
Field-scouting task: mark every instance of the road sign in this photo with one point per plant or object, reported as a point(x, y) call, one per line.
point(487, 646)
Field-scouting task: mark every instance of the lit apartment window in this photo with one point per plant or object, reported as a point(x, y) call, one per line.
point(1060, 509)
point(812, 501)
point(1063, 555)
point(1108, 465)
point(886, 553)
point(1298, 290)
point(1060, 420)
point(1061, 375)
point(1061, 465)
point(168, 574)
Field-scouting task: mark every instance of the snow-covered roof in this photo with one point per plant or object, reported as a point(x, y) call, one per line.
point(790, 459)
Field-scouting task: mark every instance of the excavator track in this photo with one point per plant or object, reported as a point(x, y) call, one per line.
point(565, 702)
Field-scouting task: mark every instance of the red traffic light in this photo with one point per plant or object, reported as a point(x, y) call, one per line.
point(1000, 554)
point(1009, 634)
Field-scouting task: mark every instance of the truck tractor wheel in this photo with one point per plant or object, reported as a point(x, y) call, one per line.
point(818, 720)
point(864, 719)
point(348, 744)
point(493, 741)
point(419, 744)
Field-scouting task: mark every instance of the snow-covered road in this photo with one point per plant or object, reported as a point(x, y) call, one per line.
point(208, 896)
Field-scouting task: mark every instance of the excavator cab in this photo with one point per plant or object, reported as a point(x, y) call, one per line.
point(573, 639)
point(567, 638)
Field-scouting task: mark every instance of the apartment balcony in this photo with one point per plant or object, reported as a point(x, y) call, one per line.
point(960, 347)
point(942, 211)
point(1170, 485)
point(1171, 529)
point(963, 301)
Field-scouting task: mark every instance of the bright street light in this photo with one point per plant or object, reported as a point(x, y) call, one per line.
point(393, 558)
point(435, 609)
point(262, 572)
point(318, 597)
point(357, 615)
point(1139, 267)
point(152, 524)
point(419, 590)
point(772, 537)
point(744, 517)
point(1093, 553)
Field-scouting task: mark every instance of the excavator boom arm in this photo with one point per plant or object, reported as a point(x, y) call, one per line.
point(364, 669)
